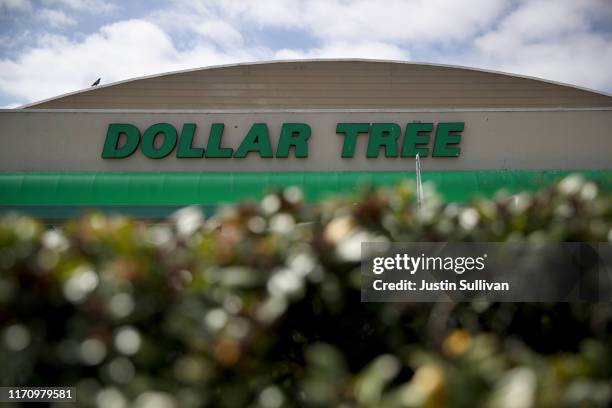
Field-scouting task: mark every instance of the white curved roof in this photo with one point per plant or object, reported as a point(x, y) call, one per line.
point(328, 84)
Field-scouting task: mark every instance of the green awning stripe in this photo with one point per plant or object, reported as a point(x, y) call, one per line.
point(84, 188)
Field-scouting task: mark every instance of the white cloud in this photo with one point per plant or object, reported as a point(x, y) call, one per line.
point(15, 4)
point(544, 20)
point(118, 51)
point(91, 6)
point(552, 40)
point(12, 105)
point(197, 22)
point(341, 49)
point(56, 18)
point(219, 32)
point(361, 20)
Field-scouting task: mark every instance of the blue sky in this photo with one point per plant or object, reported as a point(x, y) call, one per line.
point(50, 47)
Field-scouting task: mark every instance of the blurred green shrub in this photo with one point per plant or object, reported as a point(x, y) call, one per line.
point(259, 306)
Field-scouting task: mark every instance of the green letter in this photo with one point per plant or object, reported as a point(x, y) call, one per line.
point(148, 140)
point(213, 148)
point(351, 132)
point(111, 148)
point(296, 135)
point(448, 134)
point(416, 134)
point(384, 134)
point(185, 148)
point(257, 140)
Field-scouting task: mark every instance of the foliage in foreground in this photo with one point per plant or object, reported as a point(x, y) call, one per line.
point(260, 306)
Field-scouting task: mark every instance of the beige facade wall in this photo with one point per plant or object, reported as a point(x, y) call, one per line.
point(502, 139)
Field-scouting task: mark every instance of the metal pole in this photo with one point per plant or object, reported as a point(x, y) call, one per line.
point(419, 183)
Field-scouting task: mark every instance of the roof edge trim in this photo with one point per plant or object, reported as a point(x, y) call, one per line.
point(310, 110)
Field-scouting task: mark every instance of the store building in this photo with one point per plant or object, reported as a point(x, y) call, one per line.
point(214, 135)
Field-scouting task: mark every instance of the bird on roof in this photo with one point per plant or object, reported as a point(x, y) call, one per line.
point(97, 82)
